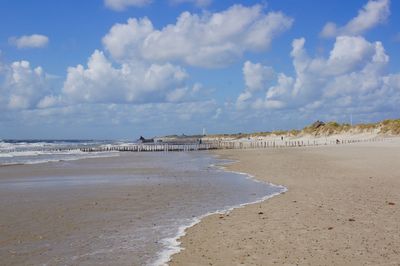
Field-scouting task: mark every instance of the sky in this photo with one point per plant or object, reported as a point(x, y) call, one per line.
point(118, 69)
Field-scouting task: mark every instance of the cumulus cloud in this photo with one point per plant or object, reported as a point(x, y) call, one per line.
point(375, 12)
point(132, 120)
point(120, 5)
point(29, 41)
point(256, 75)
point(353, 77)
point(133, 82)
point(198, 3)
point(50, 101)
point(22, 86)
point(207, 40)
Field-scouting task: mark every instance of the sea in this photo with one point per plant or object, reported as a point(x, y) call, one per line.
point(41, 151)
point(110, 208)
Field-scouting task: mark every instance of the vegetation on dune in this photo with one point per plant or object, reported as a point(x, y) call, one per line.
point(320, 128)
point(367, 126)
point(390, 127)
point(293, 132)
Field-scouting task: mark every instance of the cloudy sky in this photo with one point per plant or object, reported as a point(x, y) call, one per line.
point(117, 69)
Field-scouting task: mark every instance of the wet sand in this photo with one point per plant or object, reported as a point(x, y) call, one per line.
point(342, 208)
point(50, 218)
point(111, 211)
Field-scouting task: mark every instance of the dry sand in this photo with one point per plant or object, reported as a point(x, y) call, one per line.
point(342, 208)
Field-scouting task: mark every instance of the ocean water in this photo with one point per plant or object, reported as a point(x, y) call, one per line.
point(40, 151)
point(126, 210)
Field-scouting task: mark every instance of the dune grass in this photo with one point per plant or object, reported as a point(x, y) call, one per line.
point(320, 128)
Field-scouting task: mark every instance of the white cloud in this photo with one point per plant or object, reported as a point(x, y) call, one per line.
point(218, 113)
point(256, 76)
point(184, 93)
point(207, 40)
point(243, 100)
point(198, 3)
point(22, 86)
point(120, 5)
point(49, 101)
point(131, 120)
point(375, 12)
point(353, 77)
point(29, 41)
point(393, 81)
point(123, 40)
point(277, 95)
point(133, 82)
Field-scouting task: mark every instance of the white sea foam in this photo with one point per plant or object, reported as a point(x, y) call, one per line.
point(63, 158)
point(23, 152)
point(44, 152)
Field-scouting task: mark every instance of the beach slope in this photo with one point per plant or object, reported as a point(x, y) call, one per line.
point(342, 208)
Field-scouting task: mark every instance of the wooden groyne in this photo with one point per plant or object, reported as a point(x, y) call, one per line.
point(150, 147)
point(216, 145)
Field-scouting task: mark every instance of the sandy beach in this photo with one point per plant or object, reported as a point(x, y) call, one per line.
point(341, 208)
point(124, 210)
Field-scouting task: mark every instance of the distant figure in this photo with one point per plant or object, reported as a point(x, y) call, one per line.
point(281, 137)
point(337, 141)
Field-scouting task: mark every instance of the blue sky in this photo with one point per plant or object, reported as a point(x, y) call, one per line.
point(123, 68)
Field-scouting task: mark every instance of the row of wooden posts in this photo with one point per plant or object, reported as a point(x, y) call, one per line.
point(151, 147)
point(214, 145)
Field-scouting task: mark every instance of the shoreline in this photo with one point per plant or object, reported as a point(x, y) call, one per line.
point(174, 245)
point(224, 240)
